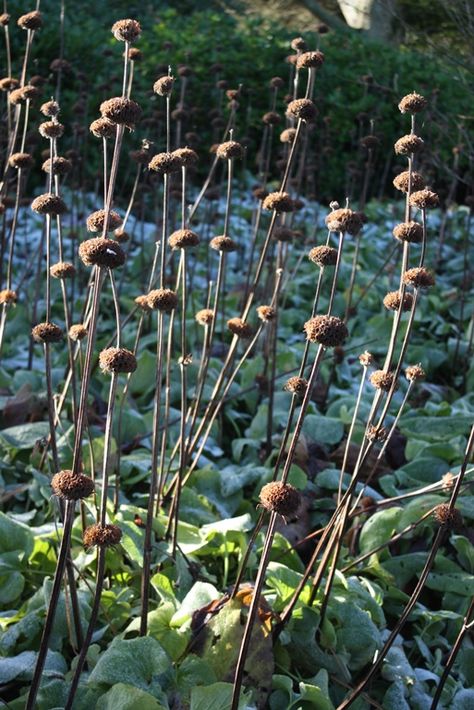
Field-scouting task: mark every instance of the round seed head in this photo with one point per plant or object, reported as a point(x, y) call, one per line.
point(229, 150)
point(61, 166)
point(23, 94)
point(278, 201)
point(283, 234)
point(401, 181)
point(276, 82)
point(121, 236)
point(260, 193)
point(205, 316)
point(303, 109)
point(392, 301)
point(59, 64)
point(121, 111)
point(103, 128)
point(366, 358)
point(21, 161)
point(101, 252)
point(382, 380)
point(117, 360)
point(288, 135)
point(142, 303)
point(141, 156)
point(412, 103)
point(184, 70)
point(281, 498)
point(62, 270)
point(328, 331)
point(240, 328)
point(7, 296)
point(77, 332)
point(31, 21)
point(449, 517)
point(49, 204)
point(409, 232)
point(415, 372)
point(266, 313)
point(162, 299)
point(135, 55)
point(271, 118)
point(51, 129)
point(165, 163)
point(343, 220)
point(96, 221)
point(183, 239)
point(163, 86)
point(50, 108)
point(179, 114)
point(8, 83)
point(223, 243)
point(186, 156)
point(72, 487)
point(47, 333)
point(323, 256)
point(419, 277)
point(369, 142)
point(406, 145)
point(296, 385)
point(424, 199)
point(102, 535)
point(298, 44)
point(310, 60)
point(126, 30)
point(375, 433)
point(4, 19)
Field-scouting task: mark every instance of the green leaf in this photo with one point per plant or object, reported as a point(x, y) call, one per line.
point(24, 436)
point(217, 696)
point(379, 528)
point(11, 587)
point(316, 691)
point(434, 428)
point(15, 537)
point(325, 430)
point(200, 594)
point(126, 697)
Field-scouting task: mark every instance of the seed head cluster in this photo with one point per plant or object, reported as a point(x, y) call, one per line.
point(418, 277)
point(47, 333)
point(162, 299)
point(116, 360)
point(281, 498)
point(71, 486)
point(392, 301)
point(411, 232)
point(102, 535)
point(101, 252)
point(296, 385)
point(240, 328)
point(328, 331)
point(323, 256)
point(382, 380)
point(183, 239)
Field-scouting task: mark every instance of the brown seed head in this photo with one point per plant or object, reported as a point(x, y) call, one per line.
point(310, 60)
point(288, 135)
point(135, 55)
point(8, 83)
point(229, 150)
point(101, 252)
point(419, 277)
point(223, 243)
point(449, 517)
point(401, 181)
point(62, 270)
point(375, 433)
point(298, 44)
point(323, 256)
point(61, 166)
point(121, 110)
point(271, 118)
point(77, 332)
point(328, 331)
point(260, 193)
point(409, 232)
point(51, 129)
point(366, 358)
point(72, 487)
point(392, 301)
point(49, 204)
point(102, 535)
point(406, 145)
point(23, 94)
point(165, 163)
point(96, 221)
point(281, 498)
point(126, 30)
point(4, 19)
point(382, 380)
point(50, 108)
point(59, 64)
point(283, 234)
point(296, 385)
point(142, 303)
point(415, 372)
point(162, 299)
point(278, 201)
point(303, 109)
point(424, 199)
point(412, 103)
point(205, 316)
point(240, 328)
point(186, 156)
point(266, 313)
point(21, 161)
point(344, 220)
point(117, 360)
point(183, 239)
point(7, 296)
point(276, 82)
point(369, 142)
point(47, 333)
point(103, 128)
point(30, 21)
point(163, 86)
point(121, 236)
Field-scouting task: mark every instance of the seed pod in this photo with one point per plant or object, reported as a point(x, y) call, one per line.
point(30, 21)
point(266, 313)
point(424, 199)
point(298, 44)
point(392, 301)
point(271, 118)
point(50, 108)
point(281, 498)
point(101, 252)
point(240, 328)
point(278, 201)
point(419, 277)
point(204, 316)
point(382, 380)
point(328, 331)
point(4, 19)
point(102, 535)
point(126, 30)
point(51, 129)
point(375, 433)
point(369, 142)
point(96, 221)
point(142, 303)
point(7, 296)
point(296, 385)
point(186, 156)
point(411, 232)
point(163, 86)
point(310, 60)
point(406, 145)
point(47, 333)
point(20, 161)
point(412, 103)
point(23, 94)
point(323, 256)
point(121, 111)
point(115, 360)
point(288, 135)
point(49, 204)
point(260, 193)
point(344, 220)
point(229, 150)
point(103, 128)
point(164, 163)
point(62, 270)
point(8, 83)
point(366, 358)
point(303, 109)
point(162, 299)
point(450, 518)
point(121, 236)
point(61, 166)
point(77, 332)
point(135, 55)
point(415, 372)
point(183, 239)
point(223, 243)
point(283, 234)
point(401, 181)
point(71, 486)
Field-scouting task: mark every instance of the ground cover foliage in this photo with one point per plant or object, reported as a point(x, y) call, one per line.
point(173, 580)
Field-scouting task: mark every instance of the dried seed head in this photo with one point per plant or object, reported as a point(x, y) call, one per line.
point(266, 313)
point(278, 201)
point(409, 232)
point(401, 181)
point(165, 163)
point(223, 243)
point(49, 204)
point(424, 199)
point(102, 535)
point(21, 161)
point(382, 380)
point(328, 331)
point(448, 481)
point(8, 83)
point(229, 150)
point(419, 277)
point(4, 19)
point(240, 328)
point(449, 517)
point(260, 193)
point(288, 135)
point(283, 234)
point(281, 498)
point(121, 236)
point(163, 299)
point(50, 108)
point(117, 360)
point(344, 220)
point(303, 109)
point(51, 129)
point(406, 145)
point(186, 156)
point(205, 316)
point(310, 60)
point(126, 30)
point(392, 301)
point(298, 44)
point(121, 110)
point(103, 128)
point(271, 118)
point(96, 221)
point(62, 270)
point(183, 239)
point(296, 385)
point(369, 142)
point(59, 64)
point(412, 103)
point(142, 303)
point(179, 114)
point(61, 166)
point(7, 296)
point(72, 487)
point(77, 332)
point(323, 256)
point(163, 86)
point(184, 70)
point(47, 333)
point(23, 94)
point(366, 358)
point(101, 252)
point(276, 82)
point(415, 372)
point(135, 55)
point(142, 156)
point(30, 21)
point(375, 433)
